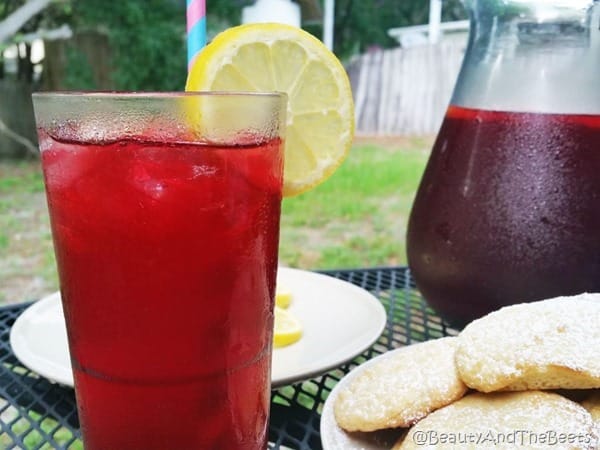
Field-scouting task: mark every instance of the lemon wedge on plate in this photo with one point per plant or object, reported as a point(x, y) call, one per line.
point(283, 296)
point(287, 328)
point(276, 57)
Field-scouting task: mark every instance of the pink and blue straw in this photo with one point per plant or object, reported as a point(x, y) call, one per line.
point(196, 29)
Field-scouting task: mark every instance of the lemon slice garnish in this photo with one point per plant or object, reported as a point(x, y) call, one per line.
point(283, 296)
point(287, 328)
point(276, 57)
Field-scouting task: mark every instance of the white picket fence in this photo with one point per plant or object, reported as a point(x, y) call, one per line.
point(404, 91)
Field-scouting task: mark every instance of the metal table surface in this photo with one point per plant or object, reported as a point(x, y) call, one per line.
point(37, 414)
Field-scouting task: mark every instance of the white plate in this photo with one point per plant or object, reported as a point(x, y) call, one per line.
point(340, 320)
point(334, 438)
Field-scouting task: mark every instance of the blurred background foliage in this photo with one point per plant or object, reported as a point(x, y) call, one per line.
point(361, 24)
point(147, 37)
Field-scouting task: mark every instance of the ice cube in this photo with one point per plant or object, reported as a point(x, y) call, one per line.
point(143, 181)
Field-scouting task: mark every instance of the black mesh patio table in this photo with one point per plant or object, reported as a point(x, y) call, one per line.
point(37, 414)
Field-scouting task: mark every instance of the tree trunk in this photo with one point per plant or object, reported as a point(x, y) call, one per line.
point(25, 66)
point(93, 46)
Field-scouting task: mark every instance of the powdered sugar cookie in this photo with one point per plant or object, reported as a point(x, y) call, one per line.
point(505, 421)
point(550, 344)
point(592, 404)
point(401, 389)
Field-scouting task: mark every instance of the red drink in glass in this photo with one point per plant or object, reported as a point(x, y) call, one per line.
point(167, 256)
point(508, 211)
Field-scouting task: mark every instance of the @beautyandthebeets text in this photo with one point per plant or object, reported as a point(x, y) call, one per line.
point(517, 438)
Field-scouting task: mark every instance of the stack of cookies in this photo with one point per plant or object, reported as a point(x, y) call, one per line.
point(525, 376)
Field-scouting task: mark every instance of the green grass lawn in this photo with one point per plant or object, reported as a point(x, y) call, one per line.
point(357, 218)
point(27, 268)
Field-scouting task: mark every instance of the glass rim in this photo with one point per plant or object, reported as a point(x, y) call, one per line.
point(155, 94)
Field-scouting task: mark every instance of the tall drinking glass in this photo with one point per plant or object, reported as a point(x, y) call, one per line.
point(165, 218)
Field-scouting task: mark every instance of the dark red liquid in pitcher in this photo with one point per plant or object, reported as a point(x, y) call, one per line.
point(508, 211)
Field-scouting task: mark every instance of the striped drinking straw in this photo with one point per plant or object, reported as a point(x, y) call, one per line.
point(196, 29)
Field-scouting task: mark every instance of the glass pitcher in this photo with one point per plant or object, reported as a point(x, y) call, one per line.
point(508, 209)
